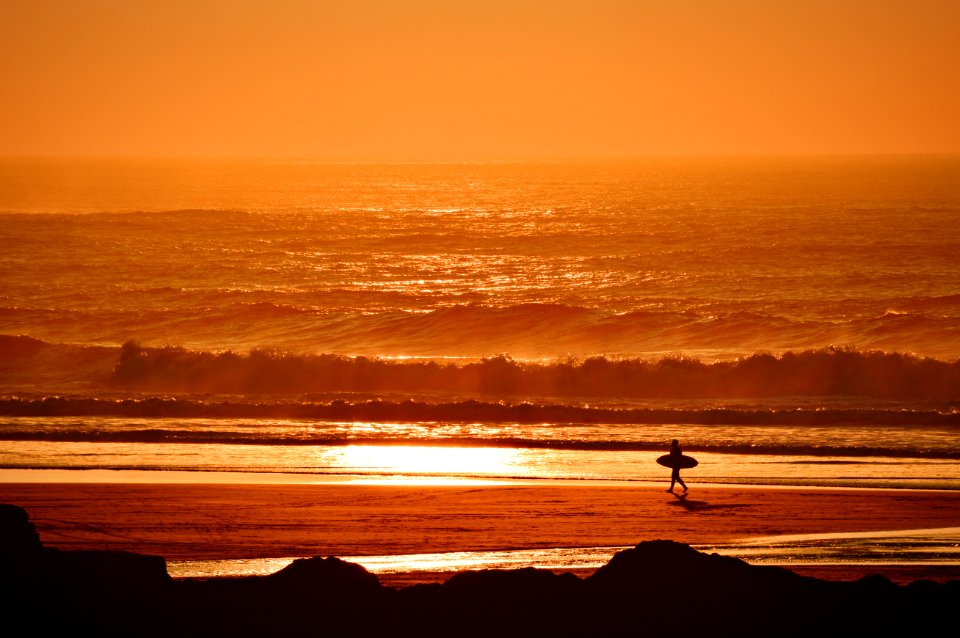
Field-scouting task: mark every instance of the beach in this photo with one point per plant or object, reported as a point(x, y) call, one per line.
point(206, 522)
point(379, 319)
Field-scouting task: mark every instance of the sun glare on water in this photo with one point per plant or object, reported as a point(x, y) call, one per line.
point(432, 464)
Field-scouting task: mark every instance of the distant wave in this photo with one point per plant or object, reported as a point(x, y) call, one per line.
point(459, 411)
point(375, 322)
point(830, 372)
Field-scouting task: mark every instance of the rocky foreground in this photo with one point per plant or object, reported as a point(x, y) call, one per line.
point(658, 588)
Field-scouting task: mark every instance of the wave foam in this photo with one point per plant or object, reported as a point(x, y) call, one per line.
point(829, 372)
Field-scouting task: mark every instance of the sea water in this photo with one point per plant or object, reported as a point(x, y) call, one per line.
point(791, 320)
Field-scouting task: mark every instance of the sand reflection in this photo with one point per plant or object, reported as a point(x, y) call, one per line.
point(431, 464)
point(902, 547)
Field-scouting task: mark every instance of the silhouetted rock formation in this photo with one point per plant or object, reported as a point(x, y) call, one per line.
point(658, 588)
point(85, 592)
point(19, 540)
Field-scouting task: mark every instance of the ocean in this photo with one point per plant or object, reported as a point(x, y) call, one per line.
point(793, 321)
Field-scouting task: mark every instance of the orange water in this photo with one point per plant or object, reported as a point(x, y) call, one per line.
point(770, 292)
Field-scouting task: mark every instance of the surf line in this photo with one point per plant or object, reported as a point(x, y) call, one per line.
point(940, 547)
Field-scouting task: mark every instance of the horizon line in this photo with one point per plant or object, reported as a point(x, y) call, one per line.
point(307, 159)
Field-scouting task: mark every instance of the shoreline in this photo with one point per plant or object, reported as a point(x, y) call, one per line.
point(820, 555)
point(195, 522)
point(220, 477)
point(123, 593)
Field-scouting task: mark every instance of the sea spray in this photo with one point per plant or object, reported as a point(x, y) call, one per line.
point(828, 372)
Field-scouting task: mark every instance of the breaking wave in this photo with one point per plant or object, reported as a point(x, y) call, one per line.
point(460, 411)
point(829, 372)
point(397, 323)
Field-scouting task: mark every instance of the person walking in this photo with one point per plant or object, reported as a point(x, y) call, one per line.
point(675, 455)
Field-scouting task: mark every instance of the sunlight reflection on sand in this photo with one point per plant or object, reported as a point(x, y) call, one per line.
point(901, 547)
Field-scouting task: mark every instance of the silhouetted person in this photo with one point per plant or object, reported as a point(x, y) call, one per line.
point(675, 455)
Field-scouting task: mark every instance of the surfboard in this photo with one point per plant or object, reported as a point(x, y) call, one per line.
point(686, 462)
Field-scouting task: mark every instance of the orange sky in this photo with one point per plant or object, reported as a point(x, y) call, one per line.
point(477, 79)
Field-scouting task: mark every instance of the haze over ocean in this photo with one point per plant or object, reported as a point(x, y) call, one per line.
point(711, 258)
point(777, 293)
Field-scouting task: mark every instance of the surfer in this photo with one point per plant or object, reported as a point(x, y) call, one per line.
point(675, 455)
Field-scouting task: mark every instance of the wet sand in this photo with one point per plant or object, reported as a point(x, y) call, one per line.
point(209, 522)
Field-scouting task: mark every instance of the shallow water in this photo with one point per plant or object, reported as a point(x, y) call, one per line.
point(856, 456)
point(922, 547)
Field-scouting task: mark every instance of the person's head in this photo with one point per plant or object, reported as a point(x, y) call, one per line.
point(675, 443)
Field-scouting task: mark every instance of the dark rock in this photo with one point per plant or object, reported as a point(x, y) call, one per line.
point(18, 536)
point(656, 589)
point(877, 585)
point(321, 596)
point(115, 569)
point(532, 602)
point(523, 583)
point(668, 588)
point(327, 574)
point(663, 563)
point(59, 592)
